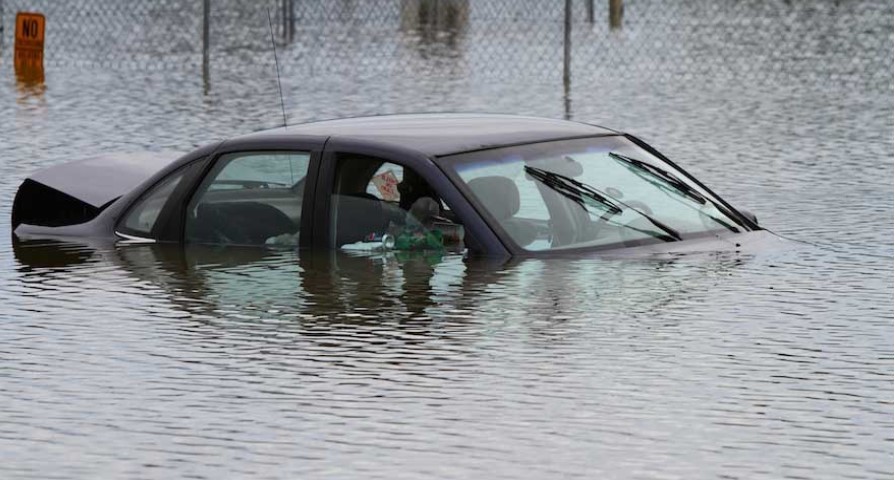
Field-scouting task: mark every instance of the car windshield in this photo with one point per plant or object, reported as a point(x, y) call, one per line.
point(592, 192)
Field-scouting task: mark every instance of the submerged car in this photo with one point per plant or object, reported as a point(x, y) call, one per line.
point(496, 185)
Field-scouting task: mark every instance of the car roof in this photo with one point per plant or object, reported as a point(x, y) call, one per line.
point(439, 134)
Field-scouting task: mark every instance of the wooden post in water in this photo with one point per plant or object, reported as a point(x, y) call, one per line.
point(616, 10)
point(283, 26)
point(286, 8)
point(431, 22)
point(206, 12)
point(567, 58)
point(410, 15)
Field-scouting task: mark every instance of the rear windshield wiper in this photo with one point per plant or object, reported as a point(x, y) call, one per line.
point(575, 190)
point(667, 177)
point(671, 179)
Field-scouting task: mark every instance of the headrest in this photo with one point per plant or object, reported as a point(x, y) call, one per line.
point(424, 209)
point(499, 195)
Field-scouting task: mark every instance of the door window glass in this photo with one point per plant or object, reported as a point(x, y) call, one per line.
point(143, 216)
point(250, 199)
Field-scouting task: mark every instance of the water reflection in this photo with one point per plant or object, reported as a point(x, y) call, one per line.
point(437, 356)
point(411, 305)
point(204, 280)
point(30, 80)
point(438, 26)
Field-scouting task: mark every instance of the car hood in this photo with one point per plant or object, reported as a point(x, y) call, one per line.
point(741, 243)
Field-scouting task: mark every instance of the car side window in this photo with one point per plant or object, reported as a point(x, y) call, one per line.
point(376, 205)
point(142, 217)
point(252, 198)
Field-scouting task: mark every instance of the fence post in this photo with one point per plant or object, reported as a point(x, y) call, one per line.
point(616, 10)
point(284, 18)
point(291, 20)
point(567, 57)
point(206, 11)
point(590, 10)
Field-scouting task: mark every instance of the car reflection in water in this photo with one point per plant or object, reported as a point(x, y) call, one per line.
point(247, 284)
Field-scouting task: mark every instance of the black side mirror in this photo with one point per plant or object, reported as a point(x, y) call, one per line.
point(749, 215)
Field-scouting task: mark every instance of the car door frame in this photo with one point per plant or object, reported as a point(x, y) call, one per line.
point(480, 239)
point(173, 217)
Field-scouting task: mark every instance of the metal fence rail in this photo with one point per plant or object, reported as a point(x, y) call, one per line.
point(749, 41)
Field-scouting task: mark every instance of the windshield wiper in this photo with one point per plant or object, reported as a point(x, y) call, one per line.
point(575, 190)
point(667, 177)
point(676, 183)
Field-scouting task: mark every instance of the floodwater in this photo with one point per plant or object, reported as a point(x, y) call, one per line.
point(153, 362)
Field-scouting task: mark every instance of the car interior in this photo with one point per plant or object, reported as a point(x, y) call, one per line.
point(249, 203)
point(503, 195)
point(560, 222)
point(372, 197)
point(247, 222)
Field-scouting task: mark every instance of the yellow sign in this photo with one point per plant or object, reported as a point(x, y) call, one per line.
point(29, 48)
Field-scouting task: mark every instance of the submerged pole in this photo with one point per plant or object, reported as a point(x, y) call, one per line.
point(567, 58)
point(291, 20)
point(206, 11)
point(284, 18)
point(616, 10)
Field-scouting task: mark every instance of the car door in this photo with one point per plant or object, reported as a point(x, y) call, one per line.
point(255, 192)
point(255, 195)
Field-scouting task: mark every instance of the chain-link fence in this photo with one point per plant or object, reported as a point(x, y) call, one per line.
point(749, 40)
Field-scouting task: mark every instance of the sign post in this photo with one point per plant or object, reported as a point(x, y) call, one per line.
point(29, 47)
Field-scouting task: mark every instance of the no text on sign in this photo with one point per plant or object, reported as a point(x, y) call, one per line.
point(30, 28)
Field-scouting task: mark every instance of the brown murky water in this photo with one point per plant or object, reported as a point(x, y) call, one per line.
point(145, 361)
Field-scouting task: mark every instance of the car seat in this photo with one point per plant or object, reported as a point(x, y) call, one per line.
point(241, 223)
point(356, 216)
point(500, 195)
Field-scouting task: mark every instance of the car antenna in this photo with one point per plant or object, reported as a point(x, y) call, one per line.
point(277, 63)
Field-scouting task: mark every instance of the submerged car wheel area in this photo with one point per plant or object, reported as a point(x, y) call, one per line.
point(493, 185)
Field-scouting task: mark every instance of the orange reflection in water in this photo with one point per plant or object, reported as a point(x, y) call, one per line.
point(30, 79)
